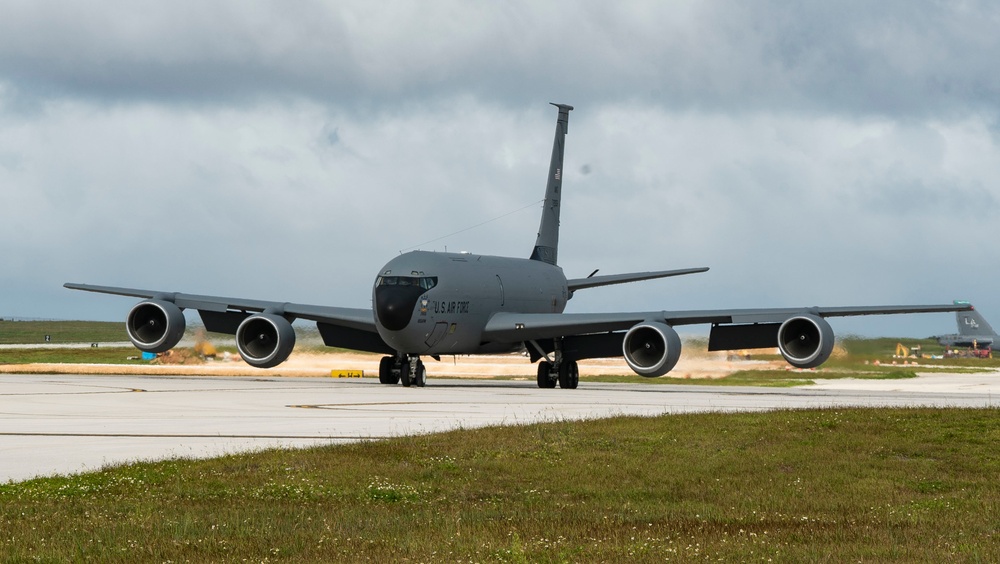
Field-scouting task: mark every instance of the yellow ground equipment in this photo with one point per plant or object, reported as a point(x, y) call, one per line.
point(904, 352)
point(205, 349)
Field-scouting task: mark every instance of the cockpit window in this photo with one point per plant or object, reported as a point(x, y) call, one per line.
point(425, 282)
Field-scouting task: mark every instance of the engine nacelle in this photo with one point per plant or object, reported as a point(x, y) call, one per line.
point(805, 341)
point(155, 326)
point(651, 348)
point(265, 340)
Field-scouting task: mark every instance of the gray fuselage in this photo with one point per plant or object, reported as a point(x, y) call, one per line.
point(439, 303)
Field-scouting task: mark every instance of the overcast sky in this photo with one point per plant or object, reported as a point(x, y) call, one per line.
point(810, 153)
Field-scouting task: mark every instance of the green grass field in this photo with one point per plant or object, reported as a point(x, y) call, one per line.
point(99, 355)
point(61, 332)
point(859, 485)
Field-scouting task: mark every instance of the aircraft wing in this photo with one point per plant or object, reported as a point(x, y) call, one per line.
point(353, 318)
point(513, 327)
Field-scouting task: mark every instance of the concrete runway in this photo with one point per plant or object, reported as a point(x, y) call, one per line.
point(65, 424)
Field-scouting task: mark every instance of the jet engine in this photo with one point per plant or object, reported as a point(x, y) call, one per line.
point(805, 341)
point(651, 348)
point(155, 326)
point(265, 340)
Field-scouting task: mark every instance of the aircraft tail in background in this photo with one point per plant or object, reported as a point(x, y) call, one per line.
point(972, 324)
point(973, 330)
point(547, 243)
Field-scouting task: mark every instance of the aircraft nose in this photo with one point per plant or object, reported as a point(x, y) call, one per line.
point(394, 305)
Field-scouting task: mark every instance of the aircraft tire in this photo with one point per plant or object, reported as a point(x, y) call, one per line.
point(569, 375)
point(385, 371)
point(404, 374)
point(420, 379)
point(544, 375)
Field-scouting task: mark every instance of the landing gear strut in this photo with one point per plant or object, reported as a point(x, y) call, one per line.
point(403, 368)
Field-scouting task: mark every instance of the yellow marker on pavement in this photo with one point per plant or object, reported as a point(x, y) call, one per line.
point(347, 373)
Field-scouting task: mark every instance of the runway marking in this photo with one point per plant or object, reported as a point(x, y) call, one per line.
point(116, 391)
point(370, 406)
point(367, 404)
point(173, 391)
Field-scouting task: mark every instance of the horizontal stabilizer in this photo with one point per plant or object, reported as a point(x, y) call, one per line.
point(611, 279)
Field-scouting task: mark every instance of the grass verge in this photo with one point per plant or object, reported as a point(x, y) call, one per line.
point(96, 355)
point(822, 485)
point(34, 332)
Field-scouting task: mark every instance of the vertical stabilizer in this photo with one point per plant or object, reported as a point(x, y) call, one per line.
point(547, 243)
point(972, 324)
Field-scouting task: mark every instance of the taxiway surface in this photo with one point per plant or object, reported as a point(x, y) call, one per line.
point(63, 424)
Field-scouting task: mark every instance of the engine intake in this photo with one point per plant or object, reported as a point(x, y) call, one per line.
point(651, 349)
point(805, 341)
point(265, 340)
point(155, 326)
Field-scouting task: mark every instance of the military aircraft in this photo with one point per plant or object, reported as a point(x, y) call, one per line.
point(432, 304)
point(973, 331)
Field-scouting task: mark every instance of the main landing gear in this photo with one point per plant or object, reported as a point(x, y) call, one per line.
point(409, 370)
point(565, 372)
point(405, 368)
point(556, 369)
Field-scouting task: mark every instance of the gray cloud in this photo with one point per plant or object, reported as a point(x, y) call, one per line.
point(893, 58)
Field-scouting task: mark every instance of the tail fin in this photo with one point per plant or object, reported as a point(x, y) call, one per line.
point(547, 243)
point(972, 324)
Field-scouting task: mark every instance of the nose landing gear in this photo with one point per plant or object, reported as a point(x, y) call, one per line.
point(408, 369)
